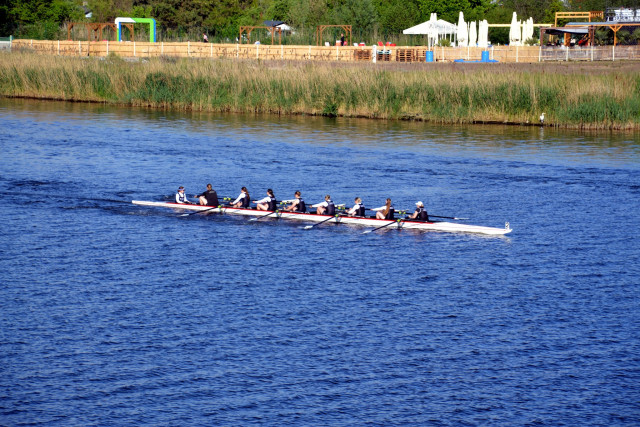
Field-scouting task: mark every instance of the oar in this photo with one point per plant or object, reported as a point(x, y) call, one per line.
point(264, 216)
point(197, 212)
point(309, 227)
point(446, 217)
point(383, 226)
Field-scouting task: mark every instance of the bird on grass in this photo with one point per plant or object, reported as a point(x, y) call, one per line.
point(542, 118)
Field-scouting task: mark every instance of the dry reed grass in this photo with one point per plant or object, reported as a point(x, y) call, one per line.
point(593, 98)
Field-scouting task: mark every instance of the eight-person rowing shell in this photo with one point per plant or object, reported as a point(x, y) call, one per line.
point(243, 200)
point(268, 203)
point(297, 205)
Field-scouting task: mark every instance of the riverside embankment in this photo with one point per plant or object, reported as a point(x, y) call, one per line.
point(572, 95)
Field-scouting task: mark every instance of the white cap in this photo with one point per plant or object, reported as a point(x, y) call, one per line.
point(419, 204)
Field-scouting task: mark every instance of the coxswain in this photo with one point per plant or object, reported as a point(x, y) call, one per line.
point(243, 200)
point(268, 203)
point(357, 209)
point(386, 211)
point(327, 207)
point(181, 197)
point(209, 197)
point(297, 205)
point(420, 213)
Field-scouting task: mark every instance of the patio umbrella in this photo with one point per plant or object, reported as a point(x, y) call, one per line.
point(433, 30)
point(483, 34)
point(472, 33)
point(462, 31)
point(515, 32)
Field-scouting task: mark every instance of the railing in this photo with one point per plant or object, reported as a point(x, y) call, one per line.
point(331, 53)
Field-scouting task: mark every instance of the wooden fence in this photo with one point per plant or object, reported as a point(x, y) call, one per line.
point(327, 53)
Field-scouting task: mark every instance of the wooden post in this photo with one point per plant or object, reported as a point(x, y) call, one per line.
point(58, 47)
point(281, 52)
point(188, 48)
point(211, 56)
point(107, 47)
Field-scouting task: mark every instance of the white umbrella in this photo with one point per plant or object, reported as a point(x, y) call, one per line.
point(462, 31)
point(472, 33)
point(433, 30)
point(483, 34)
point(514, 31)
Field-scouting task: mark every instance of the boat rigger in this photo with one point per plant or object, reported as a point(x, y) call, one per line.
point(340, 219)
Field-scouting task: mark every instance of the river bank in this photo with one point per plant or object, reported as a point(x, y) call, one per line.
point(572, 95)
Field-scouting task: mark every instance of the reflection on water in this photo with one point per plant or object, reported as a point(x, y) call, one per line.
point(522, 143)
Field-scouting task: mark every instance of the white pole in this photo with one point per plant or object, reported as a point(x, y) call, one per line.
point(540, 53)
point(257, 47)
point(237, 50)
point(613, 52)
point(134, 48)
point(336, 53)
point(375, 54)
point(592, 51)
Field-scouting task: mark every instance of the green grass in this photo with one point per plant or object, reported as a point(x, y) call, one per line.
point(594, 98)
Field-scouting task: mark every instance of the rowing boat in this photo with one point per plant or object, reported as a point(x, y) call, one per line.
point(309, 217)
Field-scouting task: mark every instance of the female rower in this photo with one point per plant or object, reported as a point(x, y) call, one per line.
point(327, 207)
point(386, 211)
point(297, 205)
point(243, 200)
point(268, 203)
point(357, 209)
point(420, 213)
point(181, 197)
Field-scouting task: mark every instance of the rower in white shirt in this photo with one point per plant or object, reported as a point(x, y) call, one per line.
point(181, 197)
point(357, 209)
point(327, 207)
point(385, 212)
point(297, 205)
point(243, 200)
point(268, 203)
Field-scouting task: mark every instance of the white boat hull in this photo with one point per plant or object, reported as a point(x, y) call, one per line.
point(368, 222)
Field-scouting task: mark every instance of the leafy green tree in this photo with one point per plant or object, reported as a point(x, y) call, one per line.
point(397, 15)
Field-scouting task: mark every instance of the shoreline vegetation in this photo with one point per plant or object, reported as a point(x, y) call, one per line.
point(590, 96)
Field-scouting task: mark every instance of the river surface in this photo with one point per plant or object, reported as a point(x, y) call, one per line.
point(115, 314)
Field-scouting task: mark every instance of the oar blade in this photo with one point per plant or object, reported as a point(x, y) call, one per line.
point(308, 227)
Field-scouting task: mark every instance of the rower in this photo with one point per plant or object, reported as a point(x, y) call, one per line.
point(268, 203)
point(209, 197)
point(297, 205)
point(357, 209)
point(420, 213)
point(243, 200)
point(181, 197)
point(327, 207)
point(386, 211)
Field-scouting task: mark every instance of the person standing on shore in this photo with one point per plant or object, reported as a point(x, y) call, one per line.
point(342, 39)
point(209, 197)
point(205, 39)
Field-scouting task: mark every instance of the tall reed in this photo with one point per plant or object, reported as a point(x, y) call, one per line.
point(606, 99)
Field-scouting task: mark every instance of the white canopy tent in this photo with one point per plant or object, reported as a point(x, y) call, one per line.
point(434, 28)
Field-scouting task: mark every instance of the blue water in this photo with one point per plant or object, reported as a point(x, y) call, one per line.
point(115, 314)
